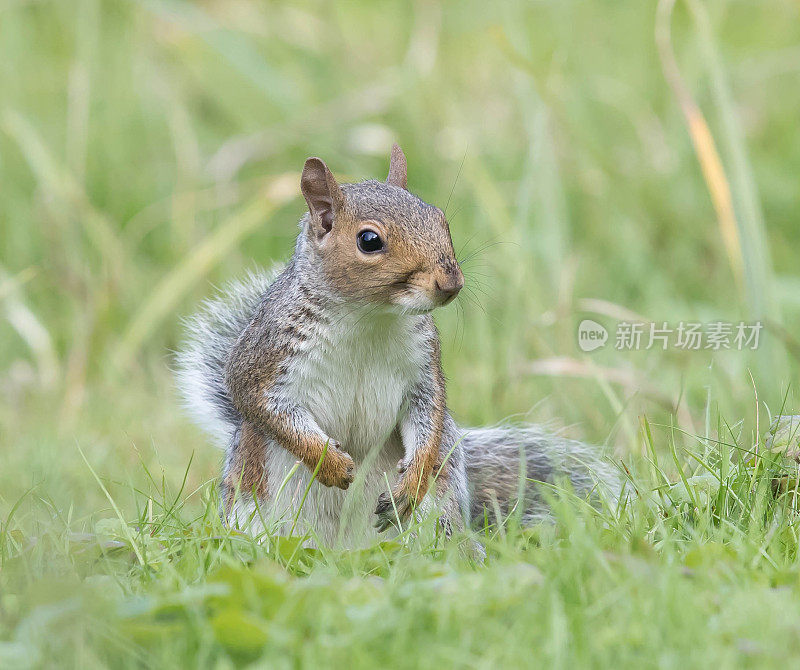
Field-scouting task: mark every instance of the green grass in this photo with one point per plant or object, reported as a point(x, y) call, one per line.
point(702, 570)
point(151, 150)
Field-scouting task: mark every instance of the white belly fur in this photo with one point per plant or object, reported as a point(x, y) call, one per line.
point(353, 379)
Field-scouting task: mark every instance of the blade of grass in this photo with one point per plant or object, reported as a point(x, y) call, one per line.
point(752, 230)
point(60, 183)
point(116, 509)
point(164, 298)
point(30, 329)
point(308, 488)
point(705, 147)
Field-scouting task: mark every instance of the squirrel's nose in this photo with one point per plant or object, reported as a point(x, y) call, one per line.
point(448, 287)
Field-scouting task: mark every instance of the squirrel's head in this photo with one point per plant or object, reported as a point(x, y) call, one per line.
point(377, 242)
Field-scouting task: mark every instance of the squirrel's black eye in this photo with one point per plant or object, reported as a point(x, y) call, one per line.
point(369, 241)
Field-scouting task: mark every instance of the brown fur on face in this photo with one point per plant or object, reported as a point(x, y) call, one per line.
point(416, 270)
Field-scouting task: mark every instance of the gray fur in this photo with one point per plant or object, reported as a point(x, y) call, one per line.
point(210, 336)
point(494, 455)
point(486, 460)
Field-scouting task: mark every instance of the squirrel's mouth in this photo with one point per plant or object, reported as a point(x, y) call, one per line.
point(413, 299)
point(418, 311)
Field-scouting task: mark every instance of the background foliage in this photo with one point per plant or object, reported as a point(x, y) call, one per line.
point(604, 160)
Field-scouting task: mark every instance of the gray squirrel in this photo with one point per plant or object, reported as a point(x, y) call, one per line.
point(334, 362)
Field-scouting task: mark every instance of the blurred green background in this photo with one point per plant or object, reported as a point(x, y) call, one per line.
point(597, 159)
point(151, 150)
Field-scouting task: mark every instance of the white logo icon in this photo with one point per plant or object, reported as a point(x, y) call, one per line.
point(591, 335)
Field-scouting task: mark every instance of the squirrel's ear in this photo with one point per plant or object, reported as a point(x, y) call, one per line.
point(398, 170)
point(322, 193)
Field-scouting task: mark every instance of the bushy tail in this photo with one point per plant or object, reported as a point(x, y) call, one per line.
point(494, 456)
point(210, 335)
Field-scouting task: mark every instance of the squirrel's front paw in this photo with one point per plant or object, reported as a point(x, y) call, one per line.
point(338, 468)
point(390, 508)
